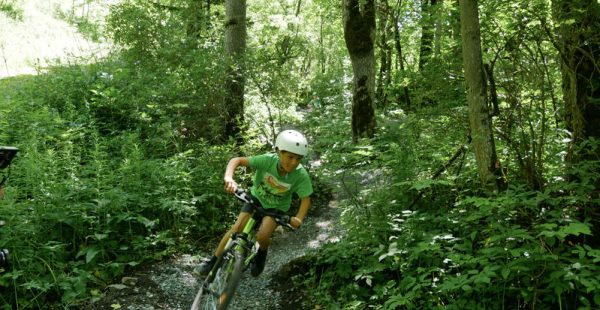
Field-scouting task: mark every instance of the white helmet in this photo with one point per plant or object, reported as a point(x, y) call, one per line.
point(292, 141)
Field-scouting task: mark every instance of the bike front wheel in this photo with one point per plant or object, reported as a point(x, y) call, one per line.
point(218, 288)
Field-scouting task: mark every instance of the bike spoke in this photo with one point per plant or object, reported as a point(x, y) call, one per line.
point(219, 288)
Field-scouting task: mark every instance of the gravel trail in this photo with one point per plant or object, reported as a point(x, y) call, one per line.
point(171, 285)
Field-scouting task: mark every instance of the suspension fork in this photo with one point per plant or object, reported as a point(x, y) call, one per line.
point(246, 236)
point(249, 232)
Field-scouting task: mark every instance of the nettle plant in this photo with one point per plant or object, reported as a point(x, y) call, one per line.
point(519, 249)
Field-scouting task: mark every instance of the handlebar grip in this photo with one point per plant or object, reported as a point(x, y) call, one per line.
point(243, 195)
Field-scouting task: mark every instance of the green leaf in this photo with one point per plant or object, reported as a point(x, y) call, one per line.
point(575, 229)
point(100, 236)
point(91, 254)
point(419, 185)
point(482, 279)
point(505, 273)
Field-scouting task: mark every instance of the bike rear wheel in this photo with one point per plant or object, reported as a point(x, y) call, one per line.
point(219, 287)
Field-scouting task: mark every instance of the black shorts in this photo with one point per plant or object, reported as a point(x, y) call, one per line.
point(248, 208)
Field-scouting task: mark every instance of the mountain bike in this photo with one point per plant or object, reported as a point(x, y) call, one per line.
point(218, 288)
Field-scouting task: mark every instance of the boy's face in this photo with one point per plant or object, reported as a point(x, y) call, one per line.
point(289, 161)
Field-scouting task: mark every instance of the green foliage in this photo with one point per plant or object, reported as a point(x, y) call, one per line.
point(90, 28)
point(118, 163)
point(90, 197)
point(428, 244)
point(516, 250)
point(162, 71)
point(11, 9)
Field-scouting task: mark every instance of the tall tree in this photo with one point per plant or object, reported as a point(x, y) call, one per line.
point(359, 34)
point(479, 117)
point(427, 31)
point(579, 47)
point(235, 46)
point(385, 54)
point(405, 98)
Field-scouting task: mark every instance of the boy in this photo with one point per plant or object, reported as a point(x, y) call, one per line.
point(277, 177)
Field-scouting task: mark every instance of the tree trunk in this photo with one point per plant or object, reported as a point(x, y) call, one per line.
point(579, 47)
point(235, 46)
point(439, 27)
point(406, 96)
point(384, 78)
point(493, 92)
point(479, 118)
point(359, 34)
point(322, 57)
point(427, 31)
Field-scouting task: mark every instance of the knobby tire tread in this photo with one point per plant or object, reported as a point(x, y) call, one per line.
point(233, 280)
point(234, 277)
point(201, 293)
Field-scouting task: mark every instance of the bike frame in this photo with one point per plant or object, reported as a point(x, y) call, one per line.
point(244, 241)
point(236, 257)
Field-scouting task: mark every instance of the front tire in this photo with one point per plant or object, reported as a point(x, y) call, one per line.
point(233, 277)
point(219, 287)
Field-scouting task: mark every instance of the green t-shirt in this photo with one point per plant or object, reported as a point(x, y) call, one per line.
point(274, 191)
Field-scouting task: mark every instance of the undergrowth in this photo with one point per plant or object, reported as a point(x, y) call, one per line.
point(415, 242)
point(96, 190)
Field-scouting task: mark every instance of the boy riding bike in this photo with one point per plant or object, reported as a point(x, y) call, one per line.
point(277, 177)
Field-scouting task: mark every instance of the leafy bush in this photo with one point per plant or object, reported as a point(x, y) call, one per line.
point(428, 244)
point(88, 198)
point(520, 249)
point(10, 8)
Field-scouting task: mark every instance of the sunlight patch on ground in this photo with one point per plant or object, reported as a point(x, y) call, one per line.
point(40, 39)
point(327, 232)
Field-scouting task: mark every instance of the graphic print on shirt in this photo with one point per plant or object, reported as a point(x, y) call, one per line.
point(273, 187)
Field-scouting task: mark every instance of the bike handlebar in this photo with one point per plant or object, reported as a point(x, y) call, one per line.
point(281, 219)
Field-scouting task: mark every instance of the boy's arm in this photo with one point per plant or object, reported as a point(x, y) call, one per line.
point(230, 184)
point(296, 221)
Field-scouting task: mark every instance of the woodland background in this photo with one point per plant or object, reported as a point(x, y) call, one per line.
point(472, 126)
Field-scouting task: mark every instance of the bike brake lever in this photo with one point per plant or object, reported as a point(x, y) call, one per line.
point(242, 195)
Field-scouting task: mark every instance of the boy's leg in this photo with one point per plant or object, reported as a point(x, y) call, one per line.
point(263, 236)
point(237, 227)
point(241, 221)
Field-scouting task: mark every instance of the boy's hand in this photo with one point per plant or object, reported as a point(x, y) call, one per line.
point(230, 185)
point(295, 222)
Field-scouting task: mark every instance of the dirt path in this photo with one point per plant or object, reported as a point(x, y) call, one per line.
point(171, 285)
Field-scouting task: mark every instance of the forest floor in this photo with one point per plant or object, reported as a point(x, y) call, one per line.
point(171, 285)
